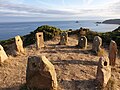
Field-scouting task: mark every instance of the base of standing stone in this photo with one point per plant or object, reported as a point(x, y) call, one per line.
point(110, 85)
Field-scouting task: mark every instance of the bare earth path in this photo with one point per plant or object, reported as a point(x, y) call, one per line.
point(75, 68)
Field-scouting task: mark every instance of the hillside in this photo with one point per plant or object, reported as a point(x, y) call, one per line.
point(76, 68)
point(112, 21)
point(117, 30)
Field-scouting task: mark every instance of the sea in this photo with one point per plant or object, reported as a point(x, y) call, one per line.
point(11, 29)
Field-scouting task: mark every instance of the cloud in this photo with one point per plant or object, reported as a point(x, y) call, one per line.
point(115, 8)
point(24, 9)
point(87, 2)
point(12, 1)
point(11, 8)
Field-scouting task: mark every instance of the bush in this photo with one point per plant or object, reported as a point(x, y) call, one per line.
point(49, 32)
point(5, 43)
point(101, 52)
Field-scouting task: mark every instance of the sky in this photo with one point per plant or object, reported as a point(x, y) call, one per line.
point(58, 10)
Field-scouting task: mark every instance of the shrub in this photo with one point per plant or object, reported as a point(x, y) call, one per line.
point(49, 32)
point(101, 52)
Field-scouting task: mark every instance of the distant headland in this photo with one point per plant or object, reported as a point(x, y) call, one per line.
point(112, 21)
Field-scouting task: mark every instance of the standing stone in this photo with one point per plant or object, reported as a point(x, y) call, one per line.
point(3, 55)
point(103, 71)
point(112, 52)
point(40, 73)
point(19, 45)
point(64, 38)
point(40, 40)
point(97, 42)
point(82, 42)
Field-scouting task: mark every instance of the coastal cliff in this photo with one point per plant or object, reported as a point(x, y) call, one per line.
point(112, 21)
point(50, 32)
point(67, 59)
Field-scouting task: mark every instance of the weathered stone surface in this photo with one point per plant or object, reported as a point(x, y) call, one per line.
point(97, 42)
point(19, 45)
point(40, 73)
point(3, 55)
point(82, 42)
point(63, 38)
point(112, 52)
point(103, 71)
point(40, 40)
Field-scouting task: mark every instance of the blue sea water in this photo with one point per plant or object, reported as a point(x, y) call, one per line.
point(9, 30)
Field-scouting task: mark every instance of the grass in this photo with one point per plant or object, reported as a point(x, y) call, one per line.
point(101, 52)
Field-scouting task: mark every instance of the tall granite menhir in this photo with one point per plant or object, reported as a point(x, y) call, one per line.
point(19, 45)
point(40, 74)
point(39, 40)
point(97, 42)
point(112, 52)
point(82, 42)
point(3, 55)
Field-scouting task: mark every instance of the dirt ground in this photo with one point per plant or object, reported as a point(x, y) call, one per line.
point(75, 68)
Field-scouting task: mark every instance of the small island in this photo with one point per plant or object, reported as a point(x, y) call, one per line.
point(77, 22)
